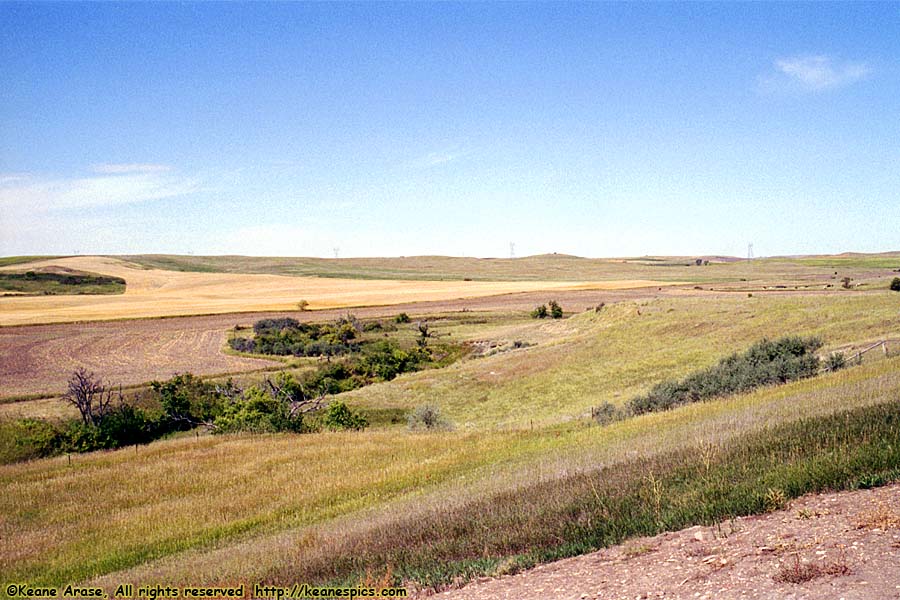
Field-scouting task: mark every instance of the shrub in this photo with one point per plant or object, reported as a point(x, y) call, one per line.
point(187, 400)
point(427, 417)
point(607, 413)
point(264, 325)
point(339, 416)
point(128, 425)
point(556, 310)
point(539, 312)
point(35, 438)
point(373, 326)
point(83, 437)
point(257, 411)
point(895, 284)
point(386, 360)
point(766, 362)
point(401, 318)
point(836, 361)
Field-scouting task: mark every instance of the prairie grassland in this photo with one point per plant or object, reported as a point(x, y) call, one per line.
point(547, 267)
point(613, 355)
point(157, 293)
point(119, 512)
point(259, 507)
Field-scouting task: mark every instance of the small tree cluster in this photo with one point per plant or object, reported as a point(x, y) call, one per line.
point(554, 311)
point(895, 284)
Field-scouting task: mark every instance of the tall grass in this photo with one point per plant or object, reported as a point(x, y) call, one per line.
point(578, 513)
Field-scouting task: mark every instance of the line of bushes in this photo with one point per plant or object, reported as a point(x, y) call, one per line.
point(183, 403)
point(764, 363)
point(548, 520)
point(286, 336)
point(43, 282)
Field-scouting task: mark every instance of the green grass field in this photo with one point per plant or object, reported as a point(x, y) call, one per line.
point(331, 506)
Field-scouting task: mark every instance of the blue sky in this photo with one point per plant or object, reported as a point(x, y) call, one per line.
point(401, 129)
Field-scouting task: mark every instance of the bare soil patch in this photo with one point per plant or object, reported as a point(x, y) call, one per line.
point(837, 545)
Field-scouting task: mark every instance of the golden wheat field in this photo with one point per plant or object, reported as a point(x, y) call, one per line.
point(159, 293)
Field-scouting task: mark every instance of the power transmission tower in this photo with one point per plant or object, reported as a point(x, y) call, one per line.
point(512, 249)
point(336, 251)
point(750, 251)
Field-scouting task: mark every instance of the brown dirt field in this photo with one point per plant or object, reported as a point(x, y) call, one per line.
point(847, 544)
point(158, 293)
point(38, 359)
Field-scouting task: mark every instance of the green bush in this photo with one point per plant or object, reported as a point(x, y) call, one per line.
point(286, 336)
point(836, 361)
point(386, 360)
point(25, 439)
point(339, 416)
point(556, 310)
point(257, 411)
point(186, 400)
point(401, 318)
point(766, 362)
point(84, 437)
point(127, 425)
point(539, 312)
point(607, 413)
point(895, 284)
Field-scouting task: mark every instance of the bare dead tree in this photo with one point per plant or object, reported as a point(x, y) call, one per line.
point(424, 334)
point(87, 393)
point(298, 403)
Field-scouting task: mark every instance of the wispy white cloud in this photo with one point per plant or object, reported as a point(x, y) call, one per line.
point(434, 159)
point(816, 73)
point(128, 185)
point(125, 168)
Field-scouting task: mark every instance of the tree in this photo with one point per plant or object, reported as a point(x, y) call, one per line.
point(539, 312)
point(895, 284)
point(845, 283)
point(556, 310)
point(302, 305)
point(87, 393)
point(424, 334)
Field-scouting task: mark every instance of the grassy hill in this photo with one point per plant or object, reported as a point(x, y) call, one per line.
point(546, 267)
point(525, 476)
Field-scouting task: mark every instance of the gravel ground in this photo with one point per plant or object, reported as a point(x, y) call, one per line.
point(839, 545)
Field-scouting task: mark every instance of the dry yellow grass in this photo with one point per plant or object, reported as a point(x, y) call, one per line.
point(158, 293)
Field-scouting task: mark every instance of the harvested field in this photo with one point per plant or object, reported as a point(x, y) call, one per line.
point(38, 359)
point(157, 293)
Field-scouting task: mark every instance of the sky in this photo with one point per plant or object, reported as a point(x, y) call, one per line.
point(381, 129)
